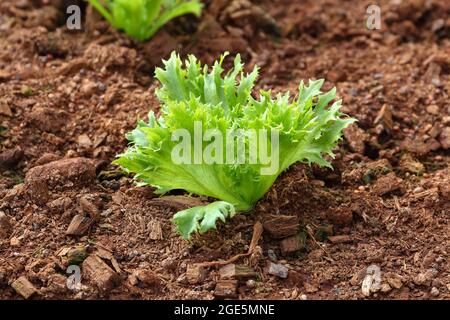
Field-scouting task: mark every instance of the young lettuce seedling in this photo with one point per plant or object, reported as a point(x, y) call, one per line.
point(213, 138)
point(140, 19)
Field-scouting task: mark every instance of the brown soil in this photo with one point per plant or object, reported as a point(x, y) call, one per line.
point(67, 99)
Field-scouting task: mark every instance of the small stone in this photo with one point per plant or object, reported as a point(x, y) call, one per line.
point(15, 242)
point(425, 278)
point(394, 280)
point(76, 255)
point(433, 109)
point(24, 287)
point(148, 278)
point(250, 283)
point(385, 288)
point(278, 270)
point(195, 274)
point(372, 280)
point(271, 255)
point(434, 292)
point(303, 297)
point(5, 109)
point(84, 141)
point(310, 288)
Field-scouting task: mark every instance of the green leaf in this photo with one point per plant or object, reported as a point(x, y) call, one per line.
point(202, 218)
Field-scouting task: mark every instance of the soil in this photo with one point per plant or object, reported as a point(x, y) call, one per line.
point(67, 98)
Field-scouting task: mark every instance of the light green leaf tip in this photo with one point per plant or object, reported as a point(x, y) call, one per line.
point(202, 218)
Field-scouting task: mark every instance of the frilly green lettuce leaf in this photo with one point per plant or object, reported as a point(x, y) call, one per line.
point(202, 218)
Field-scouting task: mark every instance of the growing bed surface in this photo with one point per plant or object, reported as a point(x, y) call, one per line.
point(67, 98)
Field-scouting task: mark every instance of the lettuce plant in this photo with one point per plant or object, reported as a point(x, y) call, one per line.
point(140, 19)
point(196, 99)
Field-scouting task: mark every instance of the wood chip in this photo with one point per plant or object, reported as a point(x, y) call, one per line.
point(281, 226)
point(155, 230)
point(81, 223)
point(99, 273)
point(340, 239)
point(226, 289)
point(236, 272)
point(292, 244)
point(385, 118)
point(24, 287)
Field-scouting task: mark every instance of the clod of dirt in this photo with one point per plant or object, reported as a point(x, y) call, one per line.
point(425, 278)
point(292, 244)
point(146, 278)
point(394, 280)
point(409, 164)
point(367, 172)
point(341, 216)
point(110, 57)
point(160, 47)
point(195, 274)
point(444, 138)
point(24, 287)
point(5, 225)
point(10, 158)
point(388, 184)
point(46, 119)
point(47, 158)
point(99, 273)
point(74, 171)
point(415, 146)
point(356, 138)
point(36, 191)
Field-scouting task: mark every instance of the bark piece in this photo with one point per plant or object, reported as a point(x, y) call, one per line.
point(340, 239)
point(236, 272)
point(292, 244)
point(226, 289)
point(99, 273)
point(281, 226)
point(24, 287)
